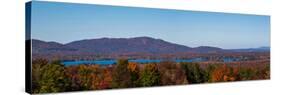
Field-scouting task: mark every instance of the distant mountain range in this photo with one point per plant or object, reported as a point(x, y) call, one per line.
point(126, 45)
point(259, 49)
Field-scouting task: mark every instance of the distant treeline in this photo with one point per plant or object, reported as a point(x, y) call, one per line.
point(180, 55)
point(53, 76)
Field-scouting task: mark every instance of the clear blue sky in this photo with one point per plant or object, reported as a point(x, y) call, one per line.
point(66, 22)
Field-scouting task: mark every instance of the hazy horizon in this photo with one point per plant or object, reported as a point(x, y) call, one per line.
point(67, 22)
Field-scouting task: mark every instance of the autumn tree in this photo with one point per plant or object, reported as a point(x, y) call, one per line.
point(210, 68)
point(121, 77)
point(52, 78)
point(171, 74)
point(224, 73)
point(85, 78)
point(134, 73)
point(89, 77)
point(37, 66)
point(72, 73)
point(101, 77)
point(97, 76)
point(106, 79)
point(266, 71)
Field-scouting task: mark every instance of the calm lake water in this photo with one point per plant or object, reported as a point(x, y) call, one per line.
point(141, 61)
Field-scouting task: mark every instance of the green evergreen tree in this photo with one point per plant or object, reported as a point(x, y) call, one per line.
point(193, 72)
point(150, 76)
point(52, 78)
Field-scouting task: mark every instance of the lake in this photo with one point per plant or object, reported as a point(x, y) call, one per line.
point(141, 61)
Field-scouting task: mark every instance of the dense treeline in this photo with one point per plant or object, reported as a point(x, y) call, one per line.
point(181, 55)
point(55, 77)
